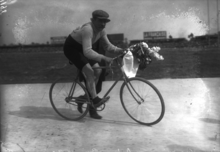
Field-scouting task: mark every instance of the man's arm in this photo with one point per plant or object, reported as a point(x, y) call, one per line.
point(87, 45)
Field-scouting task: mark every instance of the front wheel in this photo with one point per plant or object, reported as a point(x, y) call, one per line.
point(142, 101)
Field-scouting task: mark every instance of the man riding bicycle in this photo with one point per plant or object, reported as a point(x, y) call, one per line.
point(79, 50)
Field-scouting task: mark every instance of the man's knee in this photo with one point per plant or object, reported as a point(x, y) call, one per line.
point(98, 70)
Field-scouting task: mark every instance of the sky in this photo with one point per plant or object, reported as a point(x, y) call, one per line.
point(35, 21)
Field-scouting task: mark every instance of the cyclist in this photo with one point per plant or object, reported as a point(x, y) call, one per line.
point(78, 49)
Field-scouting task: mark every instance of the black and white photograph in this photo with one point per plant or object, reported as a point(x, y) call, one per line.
point(110, 75)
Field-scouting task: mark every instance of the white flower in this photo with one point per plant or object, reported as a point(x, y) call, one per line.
point(144, 45)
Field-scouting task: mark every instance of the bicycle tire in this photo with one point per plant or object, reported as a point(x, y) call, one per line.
point(64, 104)
point(131, 99)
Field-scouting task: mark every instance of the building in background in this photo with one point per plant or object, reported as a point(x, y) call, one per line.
point(155, 35)
point(58, 40)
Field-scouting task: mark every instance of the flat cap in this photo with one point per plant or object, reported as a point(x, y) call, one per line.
point(100, 14)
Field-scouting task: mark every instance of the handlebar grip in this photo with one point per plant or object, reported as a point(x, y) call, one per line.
point(121, 55)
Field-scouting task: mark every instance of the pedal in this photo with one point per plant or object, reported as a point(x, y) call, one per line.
point(102, 102)
point(102, 107)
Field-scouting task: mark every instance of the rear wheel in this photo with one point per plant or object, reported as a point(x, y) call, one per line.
point(142, 101)
point(65, 98)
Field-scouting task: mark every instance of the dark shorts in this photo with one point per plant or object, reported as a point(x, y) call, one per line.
point(74, 52)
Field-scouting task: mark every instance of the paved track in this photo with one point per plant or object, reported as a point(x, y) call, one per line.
point(191, 122)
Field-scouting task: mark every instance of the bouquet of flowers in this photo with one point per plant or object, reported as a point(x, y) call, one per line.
point(142, 49)
point(138, 57)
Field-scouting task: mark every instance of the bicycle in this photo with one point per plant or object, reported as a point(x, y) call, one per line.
point(140, 99)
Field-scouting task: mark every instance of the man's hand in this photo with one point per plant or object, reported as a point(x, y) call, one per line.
point(107, 59)
point(120, 51)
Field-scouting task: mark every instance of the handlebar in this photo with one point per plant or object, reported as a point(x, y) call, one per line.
point(143, 57)
point(125, 51)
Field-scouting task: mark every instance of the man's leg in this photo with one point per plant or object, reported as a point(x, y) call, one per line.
point(90, 83)
point(97, 72)
point(101, 78)
point(90, 79)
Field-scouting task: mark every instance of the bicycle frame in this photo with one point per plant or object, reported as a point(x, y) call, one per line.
point(123, 76)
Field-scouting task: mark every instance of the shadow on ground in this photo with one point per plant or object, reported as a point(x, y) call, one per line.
point(210, 120)
point(117, 122)
point(182, 148)
point(33, 112)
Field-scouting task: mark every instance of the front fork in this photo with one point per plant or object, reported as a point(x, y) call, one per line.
point(132, 91)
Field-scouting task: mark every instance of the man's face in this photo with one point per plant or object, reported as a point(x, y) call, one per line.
point(99, 24)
